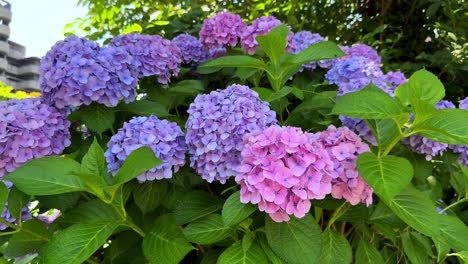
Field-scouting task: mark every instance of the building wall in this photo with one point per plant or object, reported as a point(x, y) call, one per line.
point(15, 69)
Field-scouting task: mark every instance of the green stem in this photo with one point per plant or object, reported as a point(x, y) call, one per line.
point(390, 147)
point(10, 233)
point(454, 204)
point(339, 212)
point(135, 228)
point(3, 221)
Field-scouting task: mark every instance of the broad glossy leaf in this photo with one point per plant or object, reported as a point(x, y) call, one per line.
point(126, 248)
point(137, 163)
point(319, 51)
point(145, 108)
point(187, 87)
point(149, 195)
point(454, 232)
point(234, 211)
point(97, 117)
point(367, 104)
point(47, 175)
point(335, 248)
point(232, 61)
point(235, 254)
point(413, 249)
point(165, 243)
point(274, 42)
point(296, 241)
point(61, 202)
point(367, 254)
point(91, 211)
point(32, 237)
point(93, 162)
point(78, 242)
point(387, 175)
point(17, 200)
point(447, 125)
point(272, 257)
point(207, 230)
point(195, 205)
point(422, 85)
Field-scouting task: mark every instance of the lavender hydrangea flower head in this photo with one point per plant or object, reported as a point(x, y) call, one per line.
point(360, 127)
point(344, 146)
point(353, 74)
point(261, 26)
point(153, 55)
point(191, 49)
point(30, 129)
point(217, 121)
point(363, 50)
point(25, 214)
point(303, 40)
point(281, 170)
point(425, 146)
point(462, 149)
point(76, 71)
point(165, 138)
point(222, 30)
point(393, 80)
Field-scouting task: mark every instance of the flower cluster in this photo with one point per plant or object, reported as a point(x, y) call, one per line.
point(360, 127)
point(422, 145)
point(281, 170)
point(303, 40)
point(392, 80)
point(25, 214)
point(165, 138)
point(30, 129)
point(363, 50)
point(217, 121)
point(344, 146)
point(462, 149)
point(261, 26)
point(76, 71)
point(153, 55)
point(222, 30)
point(191, 49)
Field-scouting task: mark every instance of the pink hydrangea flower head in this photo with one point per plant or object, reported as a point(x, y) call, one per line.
point(30, 129)
point(222, 30)
point(217, 121)
point(282, 169)
point(165, 138)
point(261, 26)
point(344, 146)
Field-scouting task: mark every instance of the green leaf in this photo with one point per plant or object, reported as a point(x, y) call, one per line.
point(319, 51)
point(234, 211)
point(149, 195)
point(165, 243)
point(367, 254)
point(17, 200)
point(94, 163)
point(210, 257)
point(274, 259)
point(447, 125)
point(126, 248)
point(414, 250)
point(386, 132)
point(296, 241)
point(145, 107)
point(335, 248)
point(387, 175)
point(207, 230)
point(442, 249)
point(274, 42)
point(195, 205)
point(137, 163)
point(367, 104)
point(422, 85)
point(241, 61)
point(187, 87)
point(47, 175)
point(97, 117)
point(78, 242)
point(454, 232)
point(463, 255)
point(62, 202)
point(279, 94)
point(32, 237)
point(235, 254)
point(91, 211)
point(3, 192)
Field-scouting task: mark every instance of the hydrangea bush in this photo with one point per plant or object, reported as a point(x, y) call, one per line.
point(246, 143)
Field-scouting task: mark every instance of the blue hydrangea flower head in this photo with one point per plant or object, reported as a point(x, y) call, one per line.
point(165, 138)
point(192, 50)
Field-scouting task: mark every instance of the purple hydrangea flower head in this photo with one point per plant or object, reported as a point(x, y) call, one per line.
point(222, 30)
point(363, 50)
point(425, 146)
point(30, 129)
point(462, 149)
point(463, 104)
point(165, 138)
point(360, 127)
point(217, 121)
point(303, 40)
point(153, 55)
point(25, 214)
point(353, 74)
point(393, 80)
point(261, 26)
point(77, 71)
point(190, 48)
point(282, 169)
point(344, 146)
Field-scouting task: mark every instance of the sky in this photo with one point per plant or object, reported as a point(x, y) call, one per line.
point(38, 24)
